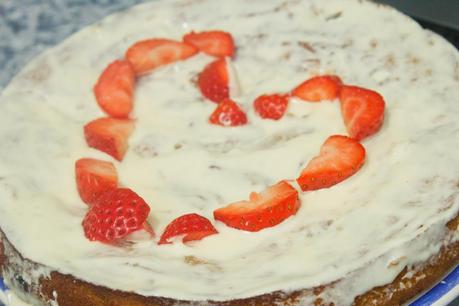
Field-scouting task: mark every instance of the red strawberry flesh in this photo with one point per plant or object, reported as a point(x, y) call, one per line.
point(319, 88)
point(228, 113)
point(191, 226)
point(215, 43)
point(109, 135)
point(149, 54)
point(213, 81)
point(362, 110)
point(115, 88)
point(262, 210)
point(271, 106)
point(114, 215)
point(94, 177)
point(340, 157)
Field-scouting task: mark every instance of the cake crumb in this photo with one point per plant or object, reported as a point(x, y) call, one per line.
point(39, 74)
point(373, 43)
point(178, 146)
point(306, 46)
point(194, 80)
point(318, 290)
point(389, 61)
point(413, 59)
point(194, 261)
point(334, 16)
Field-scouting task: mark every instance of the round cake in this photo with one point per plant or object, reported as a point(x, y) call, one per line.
point(379, 237)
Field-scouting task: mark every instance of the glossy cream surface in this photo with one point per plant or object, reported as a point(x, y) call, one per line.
point(390, 214)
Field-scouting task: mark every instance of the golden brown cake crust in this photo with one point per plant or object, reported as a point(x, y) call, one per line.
point(69, 291)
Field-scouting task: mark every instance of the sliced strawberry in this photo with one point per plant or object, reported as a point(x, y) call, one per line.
point(114, 215)
point(271, 106)
point(339, 158)
point(319, 88)
point(109, 135)
point(215, 43)
point(362, 110)
point(115, 88)
point(94, 177)
point(265, 209)
point(192, 226)
point(228, 113)
point(146, 55)
point(213, 81)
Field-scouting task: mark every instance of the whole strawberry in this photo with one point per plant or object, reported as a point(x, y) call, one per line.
point(114, 215)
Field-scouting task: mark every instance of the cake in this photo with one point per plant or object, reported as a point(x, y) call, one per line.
point(379, 237)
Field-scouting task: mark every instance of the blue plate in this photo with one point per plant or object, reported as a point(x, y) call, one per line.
point(441, 290)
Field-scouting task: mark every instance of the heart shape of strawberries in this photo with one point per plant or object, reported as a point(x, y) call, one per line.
point(114, 212)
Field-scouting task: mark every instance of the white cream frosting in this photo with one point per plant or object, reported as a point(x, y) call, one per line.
point(9, 298)
point(395, 207)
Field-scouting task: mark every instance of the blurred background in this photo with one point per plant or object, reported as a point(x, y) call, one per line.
point(27, 27)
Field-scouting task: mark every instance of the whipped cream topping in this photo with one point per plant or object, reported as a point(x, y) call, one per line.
point(393, 209)
point(9, 298)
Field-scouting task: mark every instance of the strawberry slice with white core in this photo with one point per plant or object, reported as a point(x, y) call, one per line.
point(262, 210)
point(147, 55)
point(362, 110)
point(213, 81)
point(215, 43)
point(191, 226)
point(116, 214)
point(115, 89)
point(228, 113)
point(94, 177)
point(319, 88)
point(109, 135)
point(340, 157)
